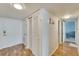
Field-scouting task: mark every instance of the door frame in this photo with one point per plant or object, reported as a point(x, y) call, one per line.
point(60, 30)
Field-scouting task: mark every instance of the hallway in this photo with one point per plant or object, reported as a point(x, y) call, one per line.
point(39, 29)
point(65, 50)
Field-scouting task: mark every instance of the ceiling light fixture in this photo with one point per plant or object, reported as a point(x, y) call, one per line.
point(18, 6)
point(67, 16)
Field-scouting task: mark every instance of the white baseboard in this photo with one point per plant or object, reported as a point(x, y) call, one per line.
point(53, 51)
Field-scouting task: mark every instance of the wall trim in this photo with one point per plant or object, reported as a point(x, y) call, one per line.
point(11, 46)
point(53, 51)
point(32, 51)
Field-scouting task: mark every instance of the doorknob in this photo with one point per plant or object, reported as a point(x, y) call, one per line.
point(4, 33)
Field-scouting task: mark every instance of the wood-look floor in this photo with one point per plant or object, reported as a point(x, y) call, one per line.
point(17, 50)
point(65, 50)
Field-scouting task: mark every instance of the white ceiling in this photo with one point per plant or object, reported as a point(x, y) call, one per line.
point(6, 10)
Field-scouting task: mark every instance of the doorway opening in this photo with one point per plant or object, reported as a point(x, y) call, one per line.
point(69, 31)
point(67, 36)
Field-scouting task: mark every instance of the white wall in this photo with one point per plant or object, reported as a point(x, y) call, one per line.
point(77, 34)
point(43, 21)
point(53, 35)
point(14, 32)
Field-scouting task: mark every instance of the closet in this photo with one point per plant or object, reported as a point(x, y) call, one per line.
point(37, 32)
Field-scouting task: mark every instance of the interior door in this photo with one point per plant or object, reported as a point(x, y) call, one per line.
point(30, 33)
point(35, 35)
point(10, 32)
point(13, 29)
point(1, 32)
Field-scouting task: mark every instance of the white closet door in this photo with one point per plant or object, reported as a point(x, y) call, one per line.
point(1, 31)
point(10, 32)
point(27, 40)
point(35, 35)
point(29, 33)
point(25, 33)
point(13, 30)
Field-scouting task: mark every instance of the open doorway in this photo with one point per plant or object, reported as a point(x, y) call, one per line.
point(67, 36)
point(69, 31)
